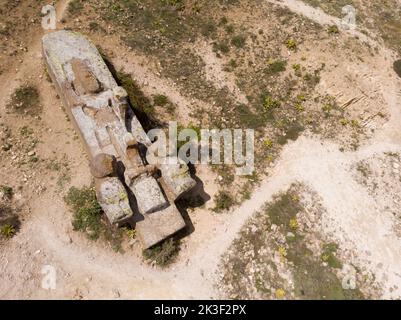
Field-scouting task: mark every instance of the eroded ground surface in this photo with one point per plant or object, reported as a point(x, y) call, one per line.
point(323, 204)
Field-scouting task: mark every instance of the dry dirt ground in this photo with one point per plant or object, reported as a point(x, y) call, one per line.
point(350, 163)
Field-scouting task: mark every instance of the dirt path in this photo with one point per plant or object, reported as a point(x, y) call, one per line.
point(88, 270)
point(319, 16)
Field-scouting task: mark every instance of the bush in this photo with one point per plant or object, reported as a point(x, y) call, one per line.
point(7, 231)
point(269, 103)
point(9, 222)
point(333, 30)
point(276, 67)
point(160, 100)
point(7, 191)
point(329, 255)
point(163, 254)
point(238, 41)
point(208, 28)
point(24, 98)
point(291, 44)
point(221, 46)
point(74, 7)
point(86, 211)
point(223, 201)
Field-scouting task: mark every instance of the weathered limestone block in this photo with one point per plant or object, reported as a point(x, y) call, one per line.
point(159, 225)
point(148, 194)
point(177, 177)
point(113, 199)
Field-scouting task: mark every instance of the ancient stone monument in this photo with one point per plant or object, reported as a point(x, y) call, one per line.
point(125, 184)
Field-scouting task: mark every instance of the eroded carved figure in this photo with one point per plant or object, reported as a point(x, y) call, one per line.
point(99, 109)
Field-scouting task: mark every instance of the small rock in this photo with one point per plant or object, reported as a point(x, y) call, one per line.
point(290, 235)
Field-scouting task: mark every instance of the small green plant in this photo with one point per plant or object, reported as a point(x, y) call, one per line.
point(299, 107)
point(230, 29)
point(355, 123)
point(7, 191)
point(223, 201)
point(268, 143)
point(333, 30)
point(296, 67)
point(364, 169)
point(233, 63)
point(7, 231)
point(326, 108)
point(329, 255)
point(131, 233)
point(74, 7)
point(301, 97)
point(25, 98)
point(223, 21)
point(86, 211)
point(94, 26)
point(294, 224)
point(221, 47)
point(208, 28)
point(276, 66)
point(238, 41)
point(269, 103)
point(291, 44)
point(160, 100)
point(163, 254)
point(280, 293)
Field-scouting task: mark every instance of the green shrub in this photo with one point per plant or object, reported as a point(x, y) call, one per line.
point(7, 191)
point(291, 44)
point(7, 231)
point(269, 103)
point(221, 46)
point(208, 28)
point(74, 7)
point(160, 100)
point(238, 41)
point(223, 201)
point(25, 98)
point(333, 30)
point(275, 67)
point(329, 255)
point(223, 20)
point(230, 29)
point(163, 254)
point(86, 211)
